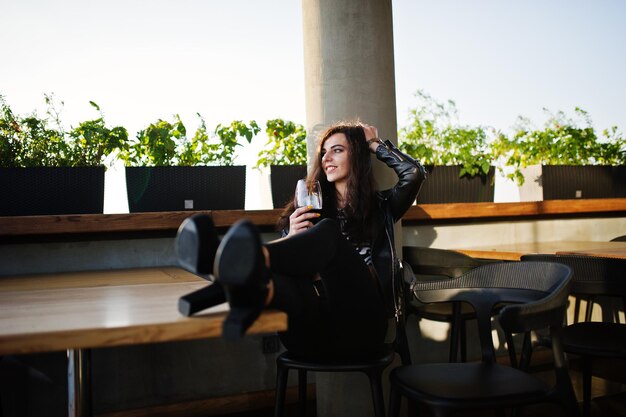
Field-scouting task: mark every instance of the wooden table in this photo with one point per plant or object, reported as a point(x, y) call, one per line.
point(79, 311)
point(615, 251)
point(513, 252)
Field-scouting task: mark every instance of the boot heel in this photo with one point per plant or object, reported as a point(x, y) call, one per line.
point(201, 299)
point(239, 260)
point(240, 267)
point(238, 321)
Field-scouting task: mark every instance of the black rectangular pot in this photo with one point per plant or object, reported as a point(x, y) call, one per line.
point(283, 179)
point(619, 181)
point(563, 182)
point(443, 185)
point(178, 188)
point(51, 190)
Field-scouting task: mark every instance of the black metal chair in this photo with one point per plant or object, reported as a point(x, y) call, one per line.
point(434, 264)
point(373, 367)
point(593, 277)
point(535, 297)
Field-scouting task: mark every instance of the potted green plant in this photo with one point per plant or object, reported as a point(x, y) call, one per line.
point(45, 170)
point(285, 154)
point(565, 159)
point(168, 171)
point(458, 158)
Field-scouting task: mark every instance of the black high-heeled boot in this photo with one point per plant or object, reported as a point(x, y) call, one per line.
point(196, 244)
point(240, 268)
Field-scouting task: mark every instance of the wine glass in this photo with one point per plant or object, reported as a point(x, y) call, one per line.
point(306, 196)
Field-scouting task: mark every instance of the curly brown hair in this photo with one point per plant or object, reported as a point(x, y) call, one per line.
point(360, 204)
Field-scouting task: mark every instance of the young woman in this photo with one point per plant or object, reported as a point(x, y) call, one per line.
point(334, 277)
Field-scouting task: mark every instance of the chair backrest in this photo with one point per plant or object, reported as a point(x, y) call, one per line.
point(591, 275)
point(534, 294)
point(438, 262)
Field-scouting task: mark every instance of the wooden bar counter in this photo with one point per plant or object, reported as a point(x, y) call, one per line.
point(168, 222)
point(514, 252)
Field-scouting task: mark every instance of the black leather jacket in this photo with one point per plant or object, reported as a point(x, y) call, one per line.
point(393, 204)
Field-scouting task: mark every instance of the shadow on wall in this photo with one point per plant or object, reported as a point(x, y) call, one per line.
point(422, 236)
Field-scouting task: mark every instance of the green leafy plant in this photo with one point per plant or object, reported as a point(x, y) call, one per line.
point(561, 141)
point(434, 136)
point(31, 141)
point(224, 152)
point(165, 143)
point(156, 144)
point(94, 141)
point(286, 144)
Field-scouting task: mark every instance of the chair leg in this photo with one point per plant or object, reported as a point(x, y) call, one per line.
point(511, 348)
point(586, 366)
point(302, 382)
point(455, 324)
point(576, 310)
point(589, 308)
point(463, 341)
point(394, 402)
point(565, 394)
point(282, 374)
point(527, 351)
point(377, 392)
point(402, 345)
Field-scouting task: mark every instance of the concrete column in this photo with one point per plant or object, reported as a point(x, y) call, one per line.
point(349, 67)
point(349, 74)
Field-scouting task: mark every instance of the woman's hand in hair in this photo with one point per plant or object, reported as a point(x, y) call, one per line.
point(371, 134)
point(300, 220)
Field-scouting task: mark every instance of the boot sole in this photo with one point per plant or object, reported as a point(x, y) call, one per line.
point(238, 255)
point(196, 245)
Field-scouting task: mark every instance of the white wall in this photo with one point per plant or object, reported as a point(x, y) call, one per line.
point(461, 236)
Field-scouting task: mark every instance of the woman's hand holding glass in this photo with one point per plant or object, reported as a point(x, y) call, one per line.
point(308, 205)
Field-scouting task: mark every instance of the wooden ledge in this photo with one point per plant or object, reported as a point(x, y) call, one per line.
point(169, 221)
point(133, 222)
point(549, 208)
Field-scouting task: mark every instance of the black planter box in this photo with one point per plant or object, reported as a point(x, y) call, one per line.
point(51, 190)
point(564, 182)
point(619, 181)
point(283, 179)
point(443, 185)
point(176, 188)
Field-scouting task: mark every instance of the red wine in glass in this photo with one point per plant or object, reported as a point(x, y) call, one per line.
point(309, 195)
